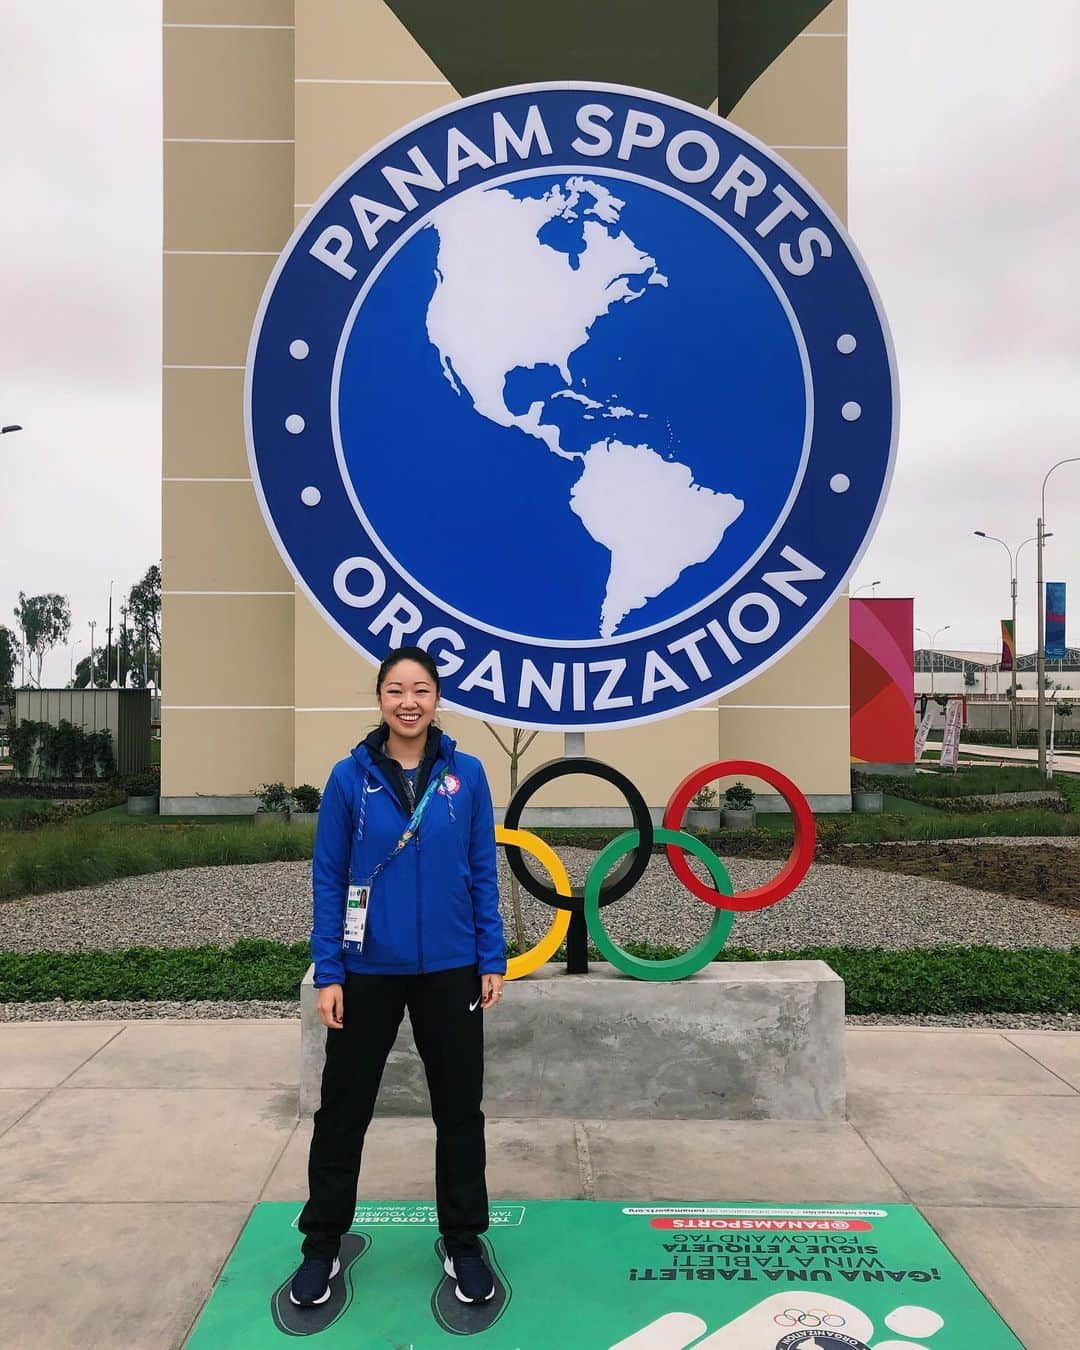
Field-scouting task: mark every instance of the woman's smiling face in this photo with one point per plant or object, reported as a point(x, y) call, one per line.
point(408, 699)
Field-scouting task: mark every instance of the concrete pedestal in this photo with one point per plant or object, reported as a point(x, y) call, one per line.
point(754, 1040)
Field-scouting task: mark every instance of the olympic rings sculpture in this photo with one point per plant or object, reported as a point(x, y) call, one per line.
point(622, 864)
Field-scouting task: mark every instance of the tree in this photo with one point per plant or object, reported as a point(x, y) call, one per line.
point(104, 669)
point(45, 621)
point(9, 656)
point(144, 611)
point(520, 741)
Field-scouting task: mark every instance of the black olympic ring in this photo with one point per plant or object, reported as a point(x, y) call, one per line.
point(628, 873)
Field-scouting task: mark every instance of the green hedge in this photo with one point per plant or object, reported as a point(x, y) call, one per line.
point(965, 782)
point(250, 969)
point(1063, 739)
point(944, 980)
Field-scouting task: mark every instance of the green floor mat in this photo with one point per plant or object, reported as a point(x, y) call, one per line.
point(595, 1275)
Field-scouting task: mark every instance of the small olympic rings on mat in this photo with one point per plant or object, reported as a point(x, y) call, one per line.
point(814, 1317)
point(620, 865)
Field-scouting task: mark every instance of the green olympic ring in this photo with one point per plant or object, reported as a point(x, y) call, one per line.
point(675, 967)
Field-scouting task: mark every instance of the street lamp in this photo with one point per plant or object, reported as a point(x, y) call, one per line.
point(867, 585)
point(91, 682)
point(11, 427)
point(108, 647)
point(1040, 538)
point(1013, 560)
point(933, 638)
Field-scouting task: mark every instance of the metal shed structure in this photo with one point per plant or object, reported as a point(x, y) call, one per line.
point(124, 713)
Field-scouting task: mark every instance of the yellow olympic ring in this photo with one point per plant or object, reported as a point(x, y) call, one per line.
point(549, 944)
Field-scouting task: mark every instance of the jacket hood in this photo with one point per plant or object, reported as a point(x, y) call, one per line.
point(371, 757)
point(373, 747)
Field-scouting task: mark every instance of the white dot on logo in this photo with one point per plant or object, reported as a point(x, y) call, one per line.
point(851, 412)
point(294, 423)
point(839, 482)
point(311, 496)
point(846, 344)
point(298, 349)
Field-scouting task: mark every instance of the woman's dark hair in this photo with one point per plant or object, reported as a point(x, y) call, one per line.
point(416, 654)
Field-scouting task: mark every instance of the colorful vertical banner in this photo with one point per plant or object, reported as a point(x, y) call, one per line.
point(1008, 645)
point(882, 660)
point(954, 720)
point(923, 731)
point(1055, 620)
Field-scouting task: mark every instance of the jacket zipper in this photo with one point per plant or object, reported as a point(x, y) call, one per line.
point(419, 910)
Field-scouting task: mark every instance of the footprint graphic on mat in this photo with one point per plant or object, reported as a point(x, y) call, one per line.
point(467, 1319)
point(296, 1321)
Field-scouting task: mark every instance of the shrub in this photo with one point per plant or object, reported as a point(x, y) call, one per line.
point(64, 751)
point(1070, 789)
point(99, 756)
point(739, 797)
point(1063, 739)
point(704, 799)
point(273, 796)
point(145, 784)
point(306, 797)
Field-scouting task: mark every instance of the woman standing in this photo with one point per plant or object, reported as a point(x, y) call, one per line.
point(406, 916)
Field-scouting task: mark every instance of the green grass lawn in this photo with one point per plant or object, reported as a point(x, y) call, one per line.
point(109, 843)
point(968, 781)
point(91, 850)
point(12, 808)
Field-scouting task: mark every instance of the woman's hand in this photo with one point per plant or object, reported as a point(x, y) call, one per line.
point(491, 990)
point(331, 1005)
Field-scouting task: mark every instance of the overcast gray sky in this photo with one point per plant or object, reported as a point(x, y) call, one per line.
point(964, 200)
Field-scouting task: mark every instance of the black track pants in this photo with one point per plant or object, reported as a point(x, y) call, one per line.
point(448, 1027)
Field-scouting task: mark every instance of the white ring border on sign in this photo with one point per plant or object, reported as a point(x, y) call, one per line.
point(600, 173)
point(581, 86)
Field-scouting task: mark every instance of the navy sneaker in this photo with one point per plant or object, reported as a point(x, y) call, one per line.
point(473, 1280)
point(311, 1283)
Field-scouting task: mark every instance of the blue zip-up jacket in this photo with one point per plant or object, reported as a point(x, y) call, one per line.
point(433, 907)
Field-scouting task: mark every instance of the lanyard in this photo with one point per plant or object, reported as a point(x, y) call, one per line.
point(413, 825)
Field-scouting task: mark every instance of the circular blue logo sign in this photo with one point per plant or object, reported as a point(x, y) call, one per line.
point(582, 389)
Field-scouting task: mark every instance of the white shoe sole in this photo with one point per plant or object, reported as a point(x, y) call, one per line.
point(335, 1269)
point(448, 1266)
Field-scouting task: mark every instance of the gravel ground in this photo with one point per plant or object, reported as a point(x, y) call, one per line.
point(835, 906)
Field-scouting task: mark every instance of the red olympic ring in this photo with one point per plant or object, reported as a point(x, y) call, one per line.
point(793, 870)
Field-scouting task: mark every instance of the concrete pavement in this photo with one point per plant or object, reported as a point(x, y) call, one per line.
point(131, 1155)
